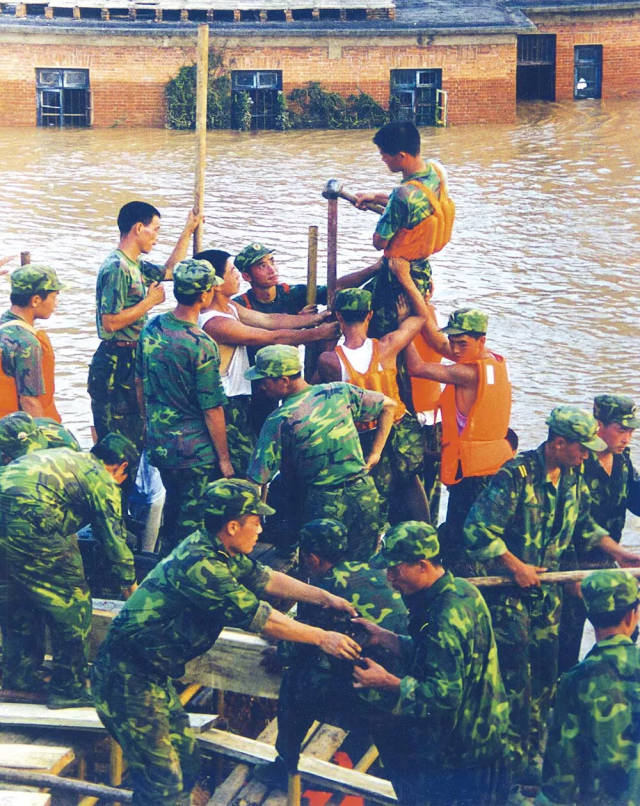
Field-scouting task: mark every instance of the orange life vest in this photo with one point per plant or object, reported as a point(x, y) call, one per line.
point(425, 393)
point(8, 391)
point(433, 232)
point(376, 379)
point(481, 448)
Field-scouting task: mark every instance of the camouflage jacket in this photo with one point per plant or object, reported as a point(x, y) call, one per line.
point(121, 284)
point(288, 299)
point(181, 607)
point(55, 492)
point(593, 754)
point(313, 437)
point(522, 512)
point(407, 205)
point(179, 365)
point(453, 685)
point(21, 356)
point(610, 497)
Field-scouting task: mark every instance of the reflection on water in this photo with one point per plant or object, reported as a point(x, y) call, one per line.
point(546, 236)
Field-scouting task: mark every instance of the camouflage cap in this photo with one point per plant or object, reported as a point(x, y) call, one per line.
point(609, 591)
point(19, 434)
point(325, 537)
point(466, 320)
point(56, 435)
point(576, 425)
point(121, 446)
point(615, 409)
point(34, 279)
point(251, 254)
point(193, 276)
point(234, 497)
point(275, 361)
point(353, 299)
point(407, 542)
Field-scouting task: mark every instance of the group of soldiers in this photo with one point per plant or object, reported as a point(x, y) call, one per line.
point(341, 462)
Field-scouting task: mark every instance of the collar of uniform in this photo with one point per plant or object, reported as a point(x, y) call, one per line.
point(609, 641)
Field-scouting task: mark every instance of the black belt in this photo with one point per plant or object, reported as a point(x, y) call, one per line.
point(130, 345)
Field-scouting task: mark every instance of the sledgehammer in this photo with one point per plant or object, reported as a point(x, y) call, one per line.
point(333, 190)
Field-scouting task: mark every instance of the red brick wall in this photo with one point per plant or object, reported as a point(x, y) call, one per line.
point(128, 75)
point(619, 35)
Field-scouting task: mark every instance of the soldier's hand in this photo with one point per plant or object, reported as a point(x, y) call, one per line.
point(362, 199)
point(156, 294)
point(130, 590)
point(526, 576)
point(327, 330)
point(372, 460)
point(399, 266)
point(226, 468)
point(378, 636)
point(308, 309)
point(402, 308)
point(193, 221)
point(338, 603)
point(340, 646)
point(369, 674)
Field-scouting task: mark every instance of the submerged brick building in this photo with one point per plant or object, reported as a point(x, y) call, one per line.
point(106, 62)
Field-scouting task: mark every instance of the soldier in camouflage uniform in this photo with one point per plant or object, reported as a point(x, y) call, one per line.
point(314, 686)
point(442, 740)
point(593, 756)
point(523, 522)
point(312, 440)
point(177, 371)
point(45, 496)
point(34, 295)
point(21, 433)
point(371, 364)
point(177, 613)
point(611, 478)
point(127, 288)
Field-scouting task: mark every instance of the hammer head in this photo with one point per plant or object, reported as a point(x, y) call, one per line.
point(332, 189)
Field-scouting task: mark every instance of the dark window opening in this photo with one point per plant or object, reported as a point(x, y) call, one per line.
point(329, 14)
point(62, 11)
point(587, 71)
point(249, 15)
point(145, 13)
point(263, 88)
point(302, 14)
point(414, 95)
point(35, 9)
point(356, 14)
point(63, 97)
point(171, 15)
point(223, 16)
point(276, 16)
point(89, 13)
point(198, 15)
point(536, 68)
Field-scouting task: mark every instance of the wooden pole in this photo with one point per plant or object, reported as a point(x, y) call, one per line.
point(25, 257)
point(40, 779)
point(332, 248)
point(312, 266)
point(201, 128)
point(549, 577)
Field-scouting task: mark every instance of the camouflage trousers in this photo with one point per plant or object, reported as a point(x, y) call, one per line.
point(112, 390)
point(145, 717)
point(432, 437)
point(355, 503)
point(44, 585)
point(240, 435)
point(182, 512)
point(526, 626)
point(461, 498)
point(396, 474)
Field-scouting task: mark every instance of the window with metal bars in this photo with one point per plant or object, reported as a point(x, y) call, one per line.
point(63, 97)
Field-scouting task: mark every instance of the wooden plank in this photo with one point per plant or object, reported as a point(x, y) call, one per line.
point(53, 759)
point(13, 797)
point(39, 716)
point(314, 771)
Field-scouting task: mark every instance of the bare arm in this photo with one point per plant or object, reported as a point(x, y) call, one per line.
point(229, 331)
point(465, 375)
point(356, 278)
point(112, 322)
point(31, 405)
point(182, 244)
point(277, 321)
point(214, 419)
point(328, 368)
point(374, 198)
point(283, 628)
point(622, 556)
point(385, 421)
point(524, 574)
point(286, 587)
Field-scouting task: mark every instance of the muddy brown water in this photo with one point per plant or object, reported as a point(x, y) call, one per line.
point(546, 235)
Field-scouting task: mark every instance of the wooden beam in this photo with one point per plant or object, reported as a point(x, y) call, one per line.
point(53, 759)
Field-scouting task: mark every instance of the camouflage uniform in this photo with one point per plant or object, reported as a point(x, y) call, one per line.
point(312, 440)
point(315, 686)
point(611, 496)
point(120, 284)
point(176, 614)
point(524, 513)
point(592, 755)
point(443, 740)
point(45, 497)
point(178, 364)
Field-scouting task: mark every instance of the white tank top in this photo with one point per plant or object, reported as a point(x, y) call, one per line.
point(359, 358)
point(232, 376)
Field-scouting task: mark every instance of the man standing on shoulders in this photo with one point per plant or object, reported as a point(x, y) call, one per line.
point(610, 476)
point(312, 439)
point(207, 583)
point(592, 754)
point(441, 740)
point(522, 523)
point(126, 289)
point(178, 379)
point(27, 369)
point(476, 406)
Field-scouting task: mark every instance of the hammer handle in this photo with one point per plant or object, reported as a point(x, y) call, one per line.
point(375, 208)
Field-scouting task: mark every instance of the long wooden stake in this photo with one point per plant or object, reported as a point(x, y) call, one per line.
point(548, 577)
point(332, 248)
point(201, 128)
point(40, 779)
point(312, 266)
point(25, 258)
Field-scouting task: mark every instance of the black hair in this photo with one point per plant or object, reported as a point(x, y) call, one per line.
point(135, 212)
point(401, 135)
point(473, 334)
point(107, 455)
point(214, 523)
point(350, 317)
point(22, 298)
point(187, 298)
point(217, 257)
point(612, 619)
point(323, 550)
point(512, 439)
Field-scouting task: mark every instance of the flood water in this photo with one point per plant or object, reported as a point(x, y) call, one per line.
point(546, 236)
